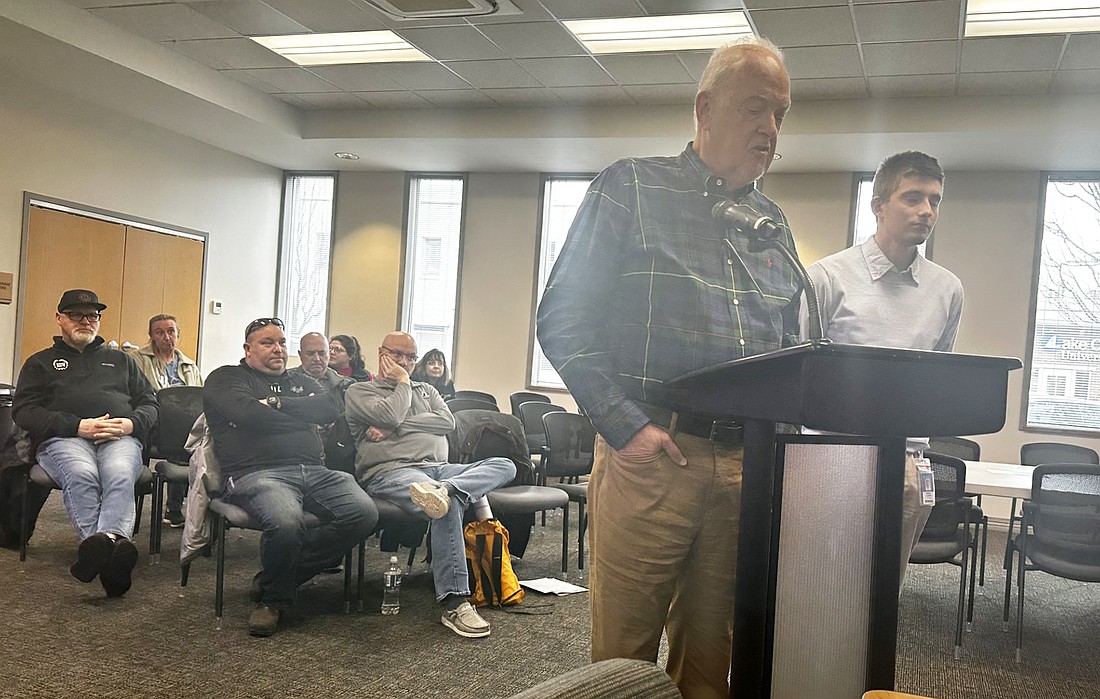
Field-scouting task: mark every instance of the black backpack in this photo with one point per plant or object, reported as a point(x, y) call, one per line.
point(480, 434)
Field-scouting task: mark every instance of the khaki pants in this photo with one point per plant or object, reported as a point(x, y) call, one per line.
point(664, 551)
point(913, 515)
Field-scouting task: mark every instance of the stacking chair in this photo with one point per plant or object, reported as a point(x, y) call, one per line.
point(476, 395)
point(37, 475)
point(568, 454)
point(530, 414)
point(520, 397)
point(1060, 529)
point(946, 537)
point(180, 406)
point(457, 404)
point(967, 450)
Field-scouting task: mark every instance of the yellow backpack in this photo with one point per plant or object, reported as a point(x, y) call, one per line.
point(492, 580)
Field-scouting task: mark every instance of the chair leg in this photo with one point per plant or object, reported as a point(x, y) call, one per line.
point(362, 574)
point(347, 581)
point(154, 512)
point(185, 573)
point(1010, 550)
point(962, 589)
point(139, 505)
point(985, 535)
point(23, 523)
point(582, 529)
point(973, 580)
point(1020, 568)
point(220, 526)
point(564, 539)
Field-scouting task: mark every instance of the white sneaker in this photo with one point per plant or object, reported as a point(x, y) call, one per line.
point(466, 622)
point(430, 497)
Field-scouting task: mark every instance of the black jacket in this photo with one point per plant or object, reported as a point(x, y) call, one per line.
point(60, 386)
point(248, 434)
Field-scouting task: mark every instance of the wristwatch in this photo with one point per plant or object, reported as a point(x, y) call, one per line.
point(274, 402)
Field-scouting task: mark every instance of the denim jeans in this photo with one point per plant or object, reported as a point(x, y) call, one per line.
point(470, 483)
point(97, 481)
point(291, 554)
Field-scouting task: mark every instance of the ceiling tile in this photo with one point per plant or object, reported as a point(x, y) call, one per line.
point(663, 94)
point(229, 53)
point(456, 98)
point(1083, 52)
point(593, 95)
point(566, 72)
point(332, 100)
point(1021, 83)
point(646, 70)
point(452, 43)
point(908, 21)
point(910, 58)
point(252, 81)
point(784, 4)
point(89, 4)
point(1077, 81)
point(806, 27)
point(913, 86)
point(529, 11)
point(828, 88)
point(422, 76)
point(499, 74)
point(521, 96)
point(396, 100)
point(823, 62)
point(249, 17)
point(534, 40)
point(695, 62)
point(995, 55)
point(361, 77)
point(288, 79)
point(584, 9)
point(676, 7)
point(165, 22)
point(296, 101)
point(328, 15)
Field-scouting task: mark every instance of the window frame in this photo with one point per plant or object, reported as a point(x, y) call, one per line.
point(403, 297)
point(281, 267)
point(1031, 372)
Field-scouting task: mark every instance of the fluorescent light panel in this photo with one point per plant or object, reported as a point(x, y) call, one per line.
point(666, 33)
point(343, 47)
point(1008, 17)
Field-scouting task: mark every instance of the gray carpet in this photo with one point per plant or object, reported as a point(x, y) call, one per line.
point(61, 638)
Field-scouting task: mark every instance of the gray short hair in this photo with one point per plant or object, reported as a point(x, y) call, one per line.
point(727, 58)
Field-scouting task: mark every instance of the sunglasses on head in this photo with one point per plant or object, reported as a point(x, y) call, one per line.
point(261, 323)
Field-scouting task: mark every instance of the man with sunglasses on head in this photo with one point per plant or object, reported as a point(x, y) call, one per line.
point(401, 430)
point(263, 421)
point(86, 408)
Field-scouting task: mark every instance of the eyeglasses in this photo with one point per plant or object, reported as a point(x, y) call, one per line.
point(401, 355)
point(77, 316)
point(261, 323)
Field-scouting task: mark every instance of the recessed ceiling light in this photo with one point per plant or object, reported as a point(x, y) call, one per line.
point(706, 30)
point(344, 155)
point(1006, 17)
point(345, 47)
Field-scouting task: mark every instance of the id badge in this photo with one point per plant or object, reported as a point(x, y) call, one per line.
point(927, 481)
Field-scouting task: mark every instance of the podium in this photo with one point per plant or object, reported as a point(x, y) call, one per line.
point(819, 553)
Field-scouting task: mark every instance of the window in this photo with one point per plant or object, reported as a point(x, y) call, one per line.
point(304, 254)
point(561, 196)
point(864, 223)
point(433, 243)
point(1064, 388)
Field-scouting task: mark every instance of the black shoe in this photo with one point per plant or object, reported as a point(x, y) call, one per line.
point(92, 557)
point(256, 591)
point(115, 577)
point(173, 518)
point(264, 620)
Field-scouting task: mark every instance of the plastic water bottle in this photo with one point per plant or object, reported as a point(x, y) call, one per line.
point(391, 587)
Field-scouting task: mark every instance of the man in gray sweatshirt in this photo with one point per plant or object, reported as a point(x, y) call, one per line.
point(400, 428)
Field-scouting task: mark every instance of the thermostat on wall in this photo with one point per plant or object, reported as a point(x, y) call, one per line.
point(216, 307)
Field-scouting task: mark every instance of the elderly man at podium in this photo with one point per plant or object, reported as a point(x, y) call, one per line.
point(884, 292)
point(649, 286)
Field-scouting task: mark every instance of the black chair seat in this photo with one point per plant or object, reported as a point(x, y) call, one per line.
point(141, 486)
point(1060, 565)
point(518, 499)
point(937, 551)
point(238, 517)
point(577, 492)
point(172, 472)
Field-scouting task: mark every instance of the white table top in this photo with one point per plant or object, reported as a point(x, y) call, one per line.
point(1004, 480)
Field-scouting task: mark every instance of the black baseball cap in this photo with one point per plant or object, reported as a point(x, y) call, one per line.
point(79, 297)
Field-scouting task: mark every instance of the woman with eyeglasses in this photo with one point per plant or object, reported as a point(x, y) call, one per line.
point(432, 369)
point(346, 358)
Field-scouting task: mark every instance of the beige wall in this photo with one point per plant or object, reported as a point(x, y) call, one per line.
point(83, 154)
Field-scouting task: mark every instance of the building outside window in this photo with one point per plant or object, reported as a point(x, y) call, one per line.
point(305, 254)
point(1064, 352)
point(561, 197)
point(433, 245)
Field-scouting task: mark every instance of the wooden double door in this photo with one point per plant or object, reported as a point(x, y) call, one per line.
point(137, 273)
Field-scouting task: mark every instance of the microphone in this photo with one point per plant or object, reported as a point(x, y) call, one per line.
point(746, 220)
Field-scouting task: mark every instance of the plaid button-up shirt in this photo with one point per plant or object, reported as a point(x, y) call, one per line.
point(646, 289)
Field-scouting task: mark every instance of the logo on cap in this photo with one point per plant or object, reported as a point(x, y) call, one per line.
point(85, 297)
point(61, 364)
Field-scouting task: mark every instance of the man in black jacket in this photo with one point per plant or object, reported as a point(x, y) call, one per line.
point(86, 408)
point(262, 420)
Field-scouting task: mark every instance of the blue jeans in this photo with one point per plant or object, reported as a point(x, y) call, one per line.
point(97, 481)
point(277, 497)
point(470, 483)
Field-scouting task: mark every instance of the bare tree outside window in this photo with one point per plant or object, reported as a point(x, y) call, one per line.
point(304, 254)
point(1064, 390)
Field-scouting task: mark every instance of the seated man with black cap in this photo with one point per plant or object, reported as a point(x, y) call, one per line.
point(86, 408)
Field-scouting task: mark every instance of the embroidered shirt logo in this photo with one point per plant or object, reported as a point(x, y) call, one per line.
point(297, 389)
point(61, 364)
point(107, 364)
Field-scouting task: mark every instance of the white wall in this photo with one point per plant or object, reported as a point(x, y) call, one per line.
point(56, 147)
